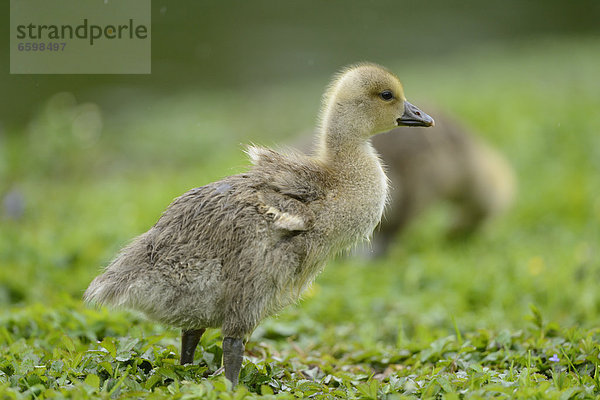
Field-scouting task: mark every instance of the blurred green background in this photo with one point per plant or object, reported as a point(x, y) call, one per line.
point(207, 46)
point(92, 160)
point(89, 161)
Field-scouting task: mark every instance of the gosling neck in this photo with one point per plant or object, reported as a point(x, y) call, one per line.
point(342, 139)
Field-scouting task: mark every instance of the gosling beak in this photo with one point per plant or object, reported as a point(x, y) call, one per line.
point(414, 117)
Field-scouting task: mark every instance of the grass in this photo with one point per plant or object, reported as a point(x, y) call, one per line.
point(512, 313)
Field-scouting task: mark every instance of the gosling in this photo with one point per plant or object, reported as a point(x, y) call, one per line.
point(449, 164)
point(233, 252)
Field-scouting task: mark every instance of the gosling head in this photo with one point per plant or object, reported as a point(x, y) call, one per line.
point(367, 99)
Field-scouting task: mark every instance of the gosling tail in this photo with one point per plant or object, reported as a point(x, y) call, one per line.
point(113, 288)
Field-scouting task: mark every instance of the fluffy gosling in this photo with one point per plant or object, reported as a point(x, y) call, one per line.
point(229, 254)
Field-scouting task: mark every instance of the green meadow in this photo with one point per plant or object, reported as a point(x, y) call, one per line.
point(513, 312)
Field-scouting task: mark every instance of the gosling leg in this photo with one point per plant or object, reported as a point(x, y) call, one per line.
point(189, 342)
point(233, 353)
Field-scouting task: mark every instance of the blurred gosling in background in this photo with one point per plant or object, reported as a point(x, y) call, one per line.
point(446, 163)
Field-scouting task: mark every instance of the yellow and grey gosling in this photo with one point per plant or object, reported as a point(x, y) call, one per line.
point(229, 254)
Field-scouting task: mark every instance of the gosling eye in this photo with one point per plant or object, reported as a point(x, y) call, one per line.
point(386, 95)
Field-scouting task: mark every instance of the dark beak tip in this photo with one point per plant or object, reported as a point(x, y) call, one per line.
point(414, 117)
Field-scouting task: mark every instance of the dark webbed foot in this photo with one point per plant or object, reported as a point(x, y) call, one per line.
point(233, 353)
point(189, 342)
